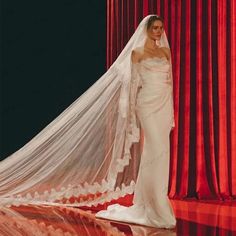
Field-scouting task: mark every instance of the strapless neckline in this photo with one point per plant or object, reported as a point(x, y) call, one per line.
point(154, 58)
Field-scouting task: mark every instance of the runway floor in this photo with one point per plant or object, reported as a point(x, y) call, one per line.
point(199, 218)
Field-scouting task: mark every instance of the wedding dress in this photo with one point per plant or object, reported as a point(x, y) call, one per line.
point(91, 153)
point(153, 106)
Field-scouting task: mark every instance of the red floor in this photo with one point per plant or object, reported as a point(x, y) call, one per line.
point(193, 218)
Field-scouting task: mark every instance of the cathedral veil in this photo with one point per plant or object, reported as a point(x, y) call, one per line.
point(90, 153)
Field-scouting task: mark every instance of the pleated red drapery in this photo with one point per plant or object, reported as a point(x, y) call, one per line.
point(202, 36)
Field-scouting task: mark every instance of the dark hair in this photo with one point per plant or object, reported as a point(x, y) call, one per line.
point(153, 18)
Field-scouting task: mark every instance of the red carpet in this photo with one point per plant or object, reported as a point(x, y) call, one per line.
point(193, 218)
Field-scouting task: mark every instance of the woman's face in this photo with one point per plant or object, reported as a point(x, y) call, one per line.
point(156, 29)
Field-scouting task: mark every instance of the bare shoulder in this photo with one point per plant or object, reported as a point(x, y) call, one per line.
point(136, 55)
point(167, 52)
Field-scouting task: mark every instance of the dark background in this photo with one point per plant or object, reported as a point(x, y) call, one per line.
point(51, 53)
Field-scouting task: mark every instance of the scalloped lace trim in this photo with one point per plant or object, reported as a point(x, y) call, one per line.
point(106, 188)
point(57, 198)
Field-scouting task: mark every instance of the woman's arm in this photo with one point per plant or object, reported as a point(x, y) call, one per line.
point(135, 56)
point(167, 52)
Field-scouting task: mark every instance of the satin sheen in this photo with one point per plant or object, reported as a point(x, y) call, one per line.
point(151, 205)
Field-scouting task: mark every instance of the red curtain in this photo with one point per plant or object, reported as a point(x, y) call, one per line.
point(202, 36)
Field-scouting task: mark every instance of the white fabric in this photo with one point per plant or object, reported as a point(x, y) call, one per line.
point(91, 151)
point(154, 109)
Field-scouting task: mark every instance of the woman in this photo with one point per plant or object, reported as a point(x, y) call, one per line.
point(154, 110)
point(90, 154)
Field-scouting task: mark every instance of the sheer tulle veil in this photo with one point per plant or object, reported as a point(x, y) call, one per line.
point(90, 153)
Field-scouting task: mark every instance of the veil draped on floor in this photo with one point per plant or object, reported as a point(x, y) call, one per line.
point(90, 153)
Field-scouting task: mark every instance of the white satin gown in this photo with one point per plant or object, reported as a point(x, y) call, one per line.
point(151, 206)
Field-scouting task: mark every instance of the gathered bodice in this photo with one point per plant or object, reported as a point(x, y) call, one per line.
point(154, 70)
point(156, 85)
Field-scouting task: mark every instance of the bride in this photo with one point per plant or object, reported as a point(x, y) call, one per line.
point(92, 152)
point(151, 66)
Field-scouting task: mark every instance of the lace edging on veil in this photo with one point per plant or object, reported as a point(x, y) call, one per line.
point(78, 158)
point(132, 135)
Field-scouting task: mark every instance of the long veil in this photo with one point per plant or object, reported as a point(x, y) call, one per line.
point(90, 153)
